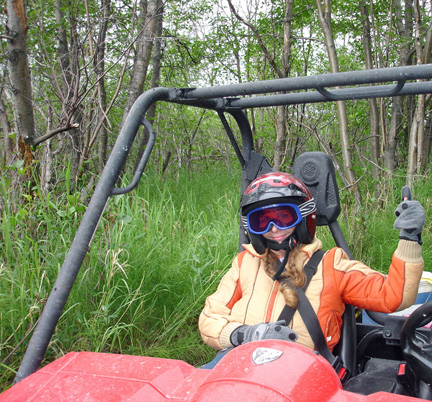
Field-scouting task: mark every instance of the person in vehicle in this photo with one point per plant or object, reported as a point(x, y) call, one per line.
point(278, 214)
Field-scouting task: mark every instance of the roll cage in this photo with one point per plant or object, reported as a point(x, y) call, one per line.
point(225, 99)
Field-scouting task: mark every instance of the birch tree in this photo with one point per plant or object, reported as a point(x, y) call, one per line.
point(324, 15)
point(280, 72)
point(417, 132)
point(143, 51)
point(156, 66)
point(99, 66)
point(403, 19)
point(373, 108)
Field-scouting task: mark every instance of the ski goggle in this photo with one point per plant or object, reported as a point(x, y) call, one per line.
point(283, 216)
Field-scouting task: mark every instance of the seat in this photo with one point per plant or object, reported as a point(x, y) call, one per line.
point(316, 171)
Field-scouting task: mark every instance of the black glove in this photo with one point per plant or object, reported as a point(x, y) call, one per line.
point(271, 330)
point(410, 217)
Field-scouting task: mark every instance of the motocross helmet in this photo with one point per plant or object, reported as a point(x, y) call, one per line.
point(272, 189)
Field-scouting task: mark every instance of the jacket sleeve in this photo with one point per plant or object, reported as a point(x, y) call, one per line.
point(216, 322)
point(363, 287)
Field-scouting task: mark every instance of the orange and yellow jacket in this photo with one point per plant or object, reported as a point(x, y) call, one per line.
point(247, 295)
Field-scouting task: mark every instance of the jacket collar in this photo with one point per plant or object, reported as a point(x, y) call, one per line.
point(308, 249)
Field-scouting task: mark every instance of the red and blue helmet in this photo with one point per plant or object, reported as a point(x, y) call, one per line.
point(278, 191)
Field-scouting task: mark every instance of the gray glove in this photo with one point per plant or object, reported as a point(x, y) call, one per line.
point(271, 330)
point(410, 217)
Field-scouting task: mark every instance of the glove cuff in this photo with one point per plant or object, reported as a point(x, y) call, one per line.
point(225, 335)
point(237, 336)
point(409, 251)
point(417, 238)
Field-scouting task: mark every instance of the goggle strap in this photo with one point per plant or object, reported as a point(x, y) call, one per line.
point(308, 207)
point(244, 221)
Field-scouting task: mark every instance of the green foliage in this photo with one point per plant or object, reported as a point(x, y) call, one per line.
point(203, 43)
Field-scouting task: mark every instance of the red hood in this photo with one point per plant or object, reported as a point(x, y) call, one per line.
point(293, 373)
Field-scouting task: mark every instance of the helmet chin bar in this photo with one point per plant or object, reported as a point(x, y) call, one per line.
point(287, 244)
point(261, 244)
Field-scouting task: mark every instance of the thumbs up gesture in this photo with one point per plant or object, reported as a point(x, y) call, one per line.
point(410, 217)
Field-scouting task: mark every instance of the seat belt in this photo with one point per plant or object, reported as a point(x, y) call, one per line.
point(313, 326)
point(310, 318)
point(310, 270)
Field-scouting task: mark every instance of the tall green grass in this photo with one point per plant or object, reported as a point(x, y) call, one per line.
point(156, 255)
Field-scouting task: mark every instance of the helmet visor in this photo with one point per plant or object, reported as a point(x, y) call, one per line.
point(283, 216)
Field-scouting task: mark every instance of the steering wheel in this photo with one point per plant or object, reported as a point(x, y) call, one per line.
point(417, 352)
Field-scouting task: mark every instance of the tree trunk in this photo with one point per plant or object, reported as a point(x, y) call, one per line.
point(157, 56)
point(279, 146)
point(281, 121)
point(390, 141)
point(63, 50)
point(427, 138)
point(47, 166)
point(144, 46)
point(416, 137)
point(7, 157)
point(19, 74)
point(373, 108)
point(404, 30)
point(417, 126)
point(100, 70)
point(69, 54)
point(75, 109)
point(325, 22)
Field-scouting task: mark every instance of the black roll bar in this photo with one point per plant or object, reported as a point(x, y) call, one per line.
point(321, 81)
point(335, 95)
point(217, 98)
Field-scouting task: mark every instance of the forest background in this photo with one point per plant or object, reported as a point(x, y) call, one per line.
point(71, 72)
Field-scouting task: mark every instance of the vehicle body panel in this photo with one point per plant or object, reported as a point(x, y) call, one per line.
point(298, 374)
